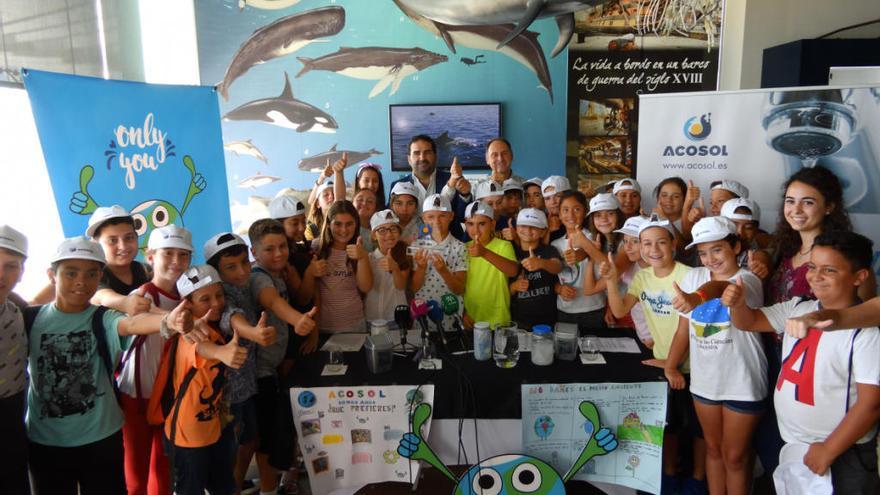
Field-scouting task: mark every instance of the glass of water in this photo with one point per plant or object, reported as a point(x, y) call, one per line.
point(506, 346)
point(589, 347)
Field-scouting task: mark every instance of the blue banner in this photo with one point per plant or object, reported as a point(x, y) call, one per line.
point(156, 150)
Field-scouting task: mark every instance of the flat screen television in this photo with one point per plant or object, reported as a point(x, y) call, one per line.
point(459, 130)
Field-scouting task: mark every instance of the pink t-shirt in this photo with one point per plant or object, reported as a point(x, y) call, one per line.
point(341, 305)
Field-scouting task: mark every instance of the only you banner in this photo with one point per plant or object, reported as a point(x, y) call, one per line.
point(761, 138)
point(156, 150)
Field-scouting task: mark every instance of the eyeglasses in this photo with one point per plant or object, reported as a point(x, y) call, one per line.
point(385, 230)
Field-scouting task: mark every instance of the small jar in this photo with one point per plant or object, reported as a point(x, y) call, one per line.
point(482, 341)
point(542, 345)
point(378, 327)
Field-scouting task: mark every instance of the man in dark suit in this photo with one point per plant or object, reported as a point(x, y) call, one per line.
point(428, 180)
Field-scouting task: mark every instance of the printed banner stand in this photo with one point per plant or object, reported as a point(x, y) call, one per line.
point(156, 150)
point(349, 436)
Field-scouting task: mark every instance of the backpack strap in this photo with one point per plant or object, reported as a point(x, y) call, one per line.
point(178, 398)
point(100, 334)
point(30, 315)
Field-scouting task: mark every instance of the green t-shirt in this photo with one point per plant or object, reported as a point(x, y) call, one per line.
point(486, 296)
point(70, 398)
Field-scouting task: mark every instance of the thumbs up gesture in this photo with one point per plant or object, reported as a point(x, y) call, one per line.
point(232, 354)
point(455, 168)
point(570, 254)
point(757, 264)
point(180, 318)
point(608, 270)
point(201, 329)
point(318, 267)
point(532, 263)
point(734, 295)
point(521, 284)
point(356, 251)
point(387, 263)
point(684, 302)
point(265, 334)
point(476, 249)
point(306, 323)
point(697, 212)
point(339, 165)
point(692, 193)
point(136, 303)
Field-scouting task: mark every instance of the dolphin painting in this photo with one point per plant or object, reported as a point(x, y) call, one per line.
point(245, 148)
point(258, 180)
point(496, 12)
point(523, 48)
point(267, 4)
point(282, 37)
point(318, 162)
point(389, 66)
point(285, 111)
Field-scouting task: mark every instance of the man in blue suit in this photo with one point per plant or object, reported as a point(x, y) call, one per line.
point(428, 180)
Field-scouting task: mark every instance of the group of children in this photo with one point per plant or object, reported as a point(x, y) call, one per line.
point(188, 387)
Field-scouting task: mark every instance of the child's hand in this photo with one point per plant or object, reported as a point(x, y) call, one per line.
point(692, 194)
point(356, 251)
point(567, 292)
point(798, 326)
point(521, 284)
point(818, 459)
point(657, 363)
point(508, 233)
point(684, 302)
point(438, 262)
point(610, 320)
point(532, 263)
point(318, 267)
point(200, 332)
point(327, 172)
point(232, 354)
point(388, 264)
point(675, 378)
point(476, 249)
point(136, 303)
point(306, 322)
point(180, 318)
point(265, 333)
point(608, 270)
point(659, 212)
point(734, 295)
point(340, 164)
point(421, 259)
point(649, 343)
point(310, 345)
point(757, 265)
point(696, 212)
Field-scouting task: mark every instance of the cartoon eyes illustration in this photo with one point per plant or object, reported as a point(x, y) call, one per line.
point(487, 482)
point(526, 478)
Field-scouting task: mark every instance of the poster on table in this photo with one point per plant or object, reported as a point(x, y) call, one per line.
point(349, 435)
point(555, 429)
point(622, 49)
point(155, 150)
point(761, 137)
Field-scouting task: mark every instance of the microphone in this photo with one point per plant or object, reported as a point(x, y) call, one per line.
point(435, 314)
point(449, 303)
point(404, 322)
point(418, 308)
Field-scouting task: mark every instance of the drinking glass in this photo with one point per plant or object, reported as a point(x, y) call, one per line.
point(506, 346)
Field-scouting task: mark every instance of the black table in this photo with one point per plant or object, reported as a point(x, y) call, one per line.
point(495, 391)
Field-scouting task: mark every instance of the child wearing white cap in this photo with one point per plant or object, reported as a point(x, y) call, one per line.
point(712, 342)
point(440, 273)
point(532, 196)
point(513, 198)
point(552, 189)
point(405, 204)
point(629, 246)
point(629, 194)
point(74, 418)
point(13, 362)
point(532, 291)
point(324, 196)
point(390, 267)
point(365, 202)
point(491, 260)
point(746, 215)
point(169, 251)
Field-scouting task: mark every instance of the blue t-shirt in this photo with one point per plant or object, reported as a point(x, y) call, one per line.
point(70, 398)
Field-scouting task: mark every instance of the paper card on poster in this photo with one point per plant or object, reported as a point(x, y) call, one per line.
point(554, 430)
point(349, 435)
point(761, 138)
point(618, 344)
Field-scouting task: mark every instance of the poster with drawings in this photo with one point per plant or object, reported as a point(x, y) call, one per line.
point(553, 429)
point(349, 435)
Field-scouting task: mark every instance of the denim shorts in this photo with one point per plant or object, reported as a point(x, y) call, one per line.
point(738, 406)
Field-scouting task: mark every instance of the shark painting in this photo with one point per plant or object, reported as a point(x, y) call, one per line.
point(282, 37)
point(285, 111)
point(389, 66)
point(258, 180)
point(267, 4)
point(497, 12)
point(524, 48)
point(245, 148)
point(318, 162)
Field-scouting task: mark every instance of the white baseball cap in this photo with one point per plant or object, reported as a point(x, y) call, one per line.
point(655, 221)
point(732, 186)
point(603, 202)
point(479, 208)
point(511, 185)
point(102, 214)
point(534, 180)
point(626, 184)
point(170, 236)
point(436, 202)
point(220, 242)
point(731, 205)
point(195, 278)
point(13, 240)
point(404, 187)
point(328, 184)
point(631, 226)
point(487, 189)
point(532, 217)
point(709, 229)
point(558, 182)
point(79, 248)
point(286, 206)
point(384, 217)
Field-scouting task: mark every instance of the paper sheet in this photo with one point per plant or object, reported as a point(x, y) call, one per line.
point(346, 342)
point(618, 344)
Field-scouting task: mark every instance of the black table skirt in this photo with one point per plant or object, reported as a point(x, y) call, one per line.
point(467, 388)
